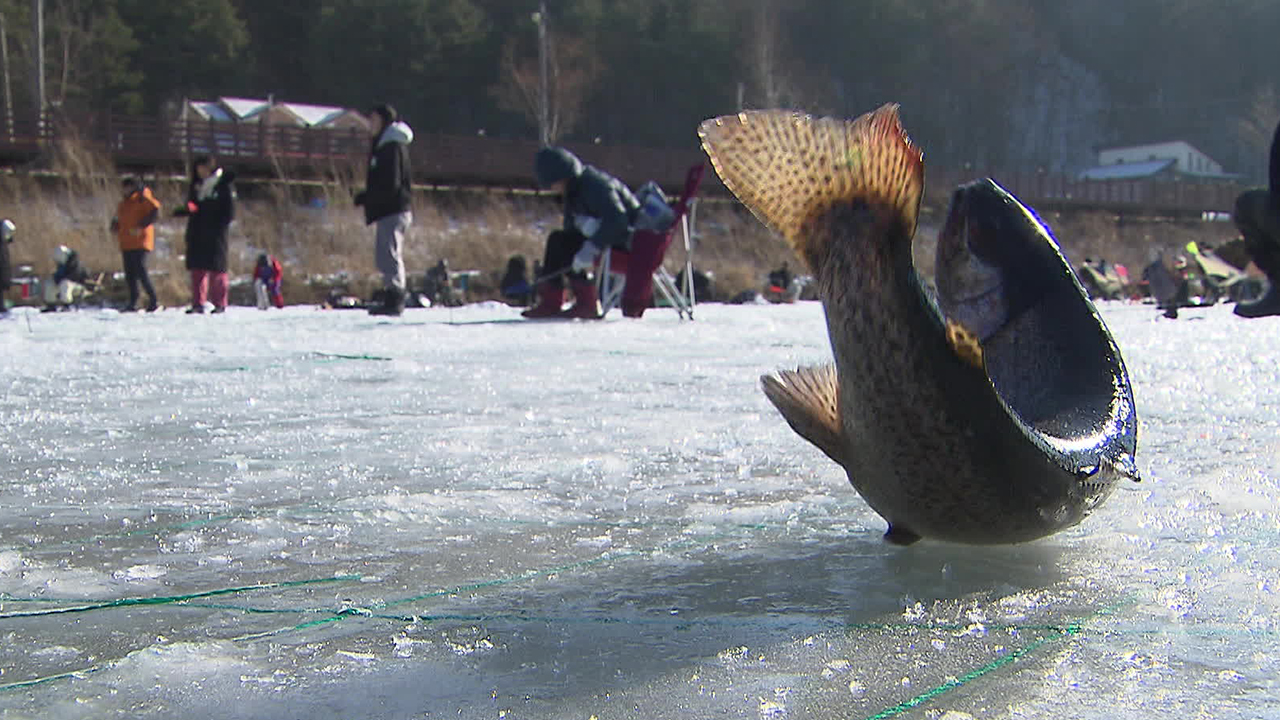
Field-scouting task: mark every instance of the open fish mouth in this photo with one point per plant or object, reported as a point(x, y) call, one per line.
point(1046, 351)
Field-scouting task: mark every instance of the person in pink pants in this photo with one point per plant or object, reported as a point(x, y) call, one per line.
point(209, 211)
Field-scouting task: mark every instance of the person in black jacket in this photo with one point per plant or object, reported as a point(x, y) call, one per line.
point(209, 211)
point(386, 201)
point(7, 231)
point(598, 212)
point(1257, 216)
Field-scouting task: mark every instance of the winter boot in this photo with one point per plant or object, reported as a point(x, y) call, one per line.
point(550, 298)
point(586, 304)
point(1267, 257)
point(392, 303)
point(1268, 304)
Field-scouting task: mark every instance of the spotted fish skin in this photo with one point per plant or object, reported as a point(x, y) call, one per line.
point(913, 418)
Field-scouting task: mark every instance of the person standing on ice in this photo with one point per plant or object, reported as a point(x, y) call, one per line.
point(209, 211)
point(7, 231)
point(386, 200)
point(134, 225)
point(267, 279)
point(598, 212)
point(1257, 216)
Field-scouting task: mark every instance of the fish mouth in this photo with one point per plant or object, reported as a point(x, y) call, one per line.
point(983, 220)
point(1048, 355)
point(970, 271)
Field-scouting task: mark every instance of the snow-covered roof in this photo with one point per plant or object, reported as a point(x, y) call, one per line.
point(244, 108)
point(232, 109)
point(210, 110)
point(313, 114)
point(1127, 171)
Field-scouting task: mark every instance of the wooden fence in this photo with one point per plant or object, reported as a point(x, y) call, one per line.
point(270, 150)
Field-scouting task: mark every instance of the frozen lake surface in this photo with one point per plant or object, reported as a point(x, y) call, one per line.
point(316, 514)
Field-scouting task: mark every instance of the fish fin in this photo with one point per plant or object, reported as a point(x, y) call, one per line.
point(965, 344)
point(898, 535)
point(808, 398)
point(789, 168)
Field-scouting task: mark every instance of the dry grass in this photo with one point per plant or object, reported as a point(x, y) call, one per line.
point(1130, 241)
point(316, 230)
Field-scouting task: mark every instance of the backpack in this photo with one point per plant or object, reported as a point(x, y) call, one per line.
point(654, 213)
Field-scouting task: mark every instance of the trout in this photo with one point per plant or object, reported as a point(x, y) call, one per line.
point(995, 410)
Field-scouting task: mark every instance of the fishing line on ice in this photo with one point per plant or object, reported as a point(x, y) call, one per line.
point(1059, 633)
point(160, 600)
point(345, 613)
point(314, 356)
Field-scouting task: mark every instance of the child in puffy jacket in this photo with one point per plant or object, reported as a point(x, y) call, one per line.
point(267, 278)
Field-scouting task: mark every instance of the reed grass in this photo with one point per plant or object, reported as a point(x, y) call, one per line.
point(317, 231)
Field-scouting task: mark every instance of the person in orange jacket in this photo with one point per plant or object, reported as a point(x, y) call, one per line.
point(134, 225)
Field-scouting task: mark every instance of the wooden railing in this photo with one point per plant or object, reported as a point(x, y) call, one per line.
point(437, 159)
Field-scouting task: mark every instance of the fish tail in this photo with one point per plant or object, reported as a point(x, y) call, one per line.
point(790, 169)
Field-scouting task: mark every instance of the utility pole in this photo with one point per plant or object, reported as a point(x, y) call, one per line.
point(544, 125)
point(37, 33)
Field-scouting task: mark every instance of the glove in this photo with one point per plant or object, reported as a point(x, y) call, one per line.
point(360, 197)
point(585, 259)
point(586, 224)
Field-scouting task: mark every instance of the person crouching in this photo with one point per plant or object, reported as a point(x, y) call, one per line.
point(268, 276)
point(69, 281)
point(598, 210)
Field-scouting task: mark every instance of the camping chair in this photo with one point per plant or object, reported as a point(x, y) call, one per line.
point(628, 277)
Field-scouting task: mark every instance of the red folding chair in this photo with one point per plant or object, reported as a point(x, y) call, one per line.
point(628, 277)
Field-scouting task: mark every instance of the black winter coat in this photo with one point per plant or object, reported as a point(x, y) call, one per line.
point(6, 274)
point(1274, 169)
point(597, 194)
point(388, 183)
point(208, 225)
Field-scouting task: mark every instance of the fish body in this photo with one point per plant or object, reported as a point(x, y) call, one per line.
point(997, 411)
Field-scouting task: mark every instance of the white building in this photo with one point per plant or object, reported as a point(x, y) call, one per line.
point(1167, 160)
point(272, 112)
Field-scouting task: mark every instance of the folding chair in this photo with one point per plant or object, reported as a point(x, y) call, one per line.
point(628, 277)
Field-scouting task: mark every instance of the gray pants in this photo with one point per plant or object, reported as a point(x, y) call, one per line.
point(388, 247)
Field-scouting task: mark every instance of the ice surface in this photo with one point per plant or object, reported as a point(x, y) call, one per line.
point(461, 514)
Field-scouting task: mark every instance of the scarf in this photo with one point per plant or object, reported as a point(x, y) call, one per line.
point(205, 189)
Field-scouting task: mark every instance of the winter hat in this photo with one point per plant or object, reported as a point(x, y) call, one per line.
point(553, 164)
point(387, 113)
point(61, 254)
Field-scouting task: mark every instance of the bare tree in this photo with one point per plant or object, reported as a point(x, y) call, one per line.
point(1255, 127)
point(572, 69)
point(766, 55)
point(87, 51)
